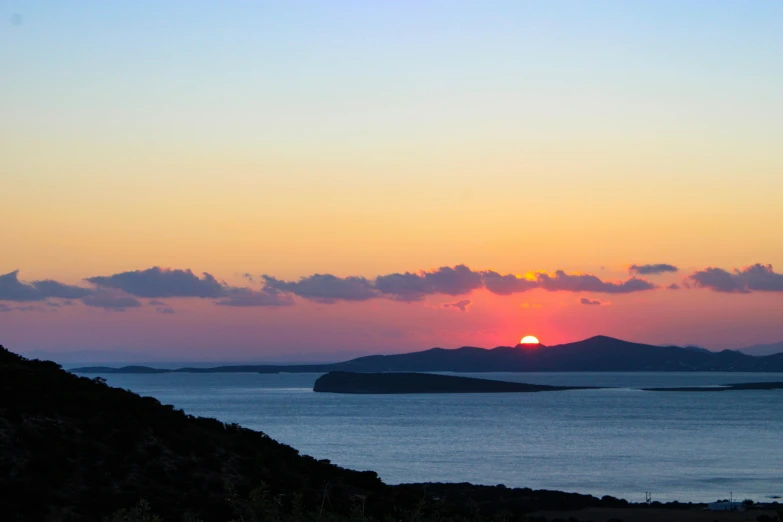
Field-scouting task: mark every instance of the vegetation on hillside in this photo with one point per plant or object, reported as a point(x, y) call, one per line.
point(76, 449)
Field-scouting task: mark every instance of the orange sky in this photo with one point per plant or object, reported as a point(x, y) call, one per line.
point(366, 140)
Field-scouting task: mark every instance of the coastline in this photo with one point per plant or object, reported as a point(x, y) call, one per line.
point(132, 448)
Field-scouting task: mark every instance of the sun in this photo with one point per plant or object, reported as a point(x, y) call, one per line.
point(529, 339)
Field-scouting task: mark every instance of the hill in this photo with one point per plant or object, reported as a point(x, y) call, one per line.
point(596, 354)
point(75, 449)
point(763, 349)
point(600, 353)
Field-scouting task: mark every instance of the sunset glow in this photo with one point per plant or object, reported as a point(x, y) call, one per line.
point(355, 191)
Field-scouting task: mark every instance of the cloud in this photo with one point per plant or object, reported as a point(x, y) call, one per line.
point(459, 280)
point(160, 306)
point(718, 280)
point(589, 283)
point(12, 289)
point(753, 278)
point(162, 282)
point(249, 297)
point(403, 287)
point(116, 301)
point(123, 290)
point(590, 302)
point(24, 308)
point(673, 286)
point(762, 278)
point(324, 288)
point(658, 268)
point(410, 286)
point(461, 305)
point(50, 288)
point(507, 284)
point(453, 281)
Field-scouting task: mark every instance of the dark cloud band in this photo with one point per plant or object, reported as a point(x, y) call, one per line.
point(161, 282)
point(459, 280)
point(124, 290)
point(11, 289)
point(116, 301)
point(659, 268)
point(753, 278)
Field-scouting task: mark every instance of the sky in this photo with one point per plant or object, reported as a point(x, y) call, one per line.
point(316, 179)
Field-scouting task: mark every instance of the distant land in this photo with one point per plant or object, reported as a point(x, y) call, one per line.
point(596, 354)
point(726, 387)
point(405, 382)
point(763, 349)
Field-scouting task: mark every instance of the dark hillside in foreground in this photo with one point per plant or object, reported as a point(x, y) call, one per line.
point(72, 448)
point(75, 449)
point(596, 354)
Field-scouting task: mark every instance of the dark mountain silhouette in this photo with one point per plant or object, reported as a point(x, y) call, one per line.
point(763, 349)
point(697, 348)
point(597, 354)
point(75, 449)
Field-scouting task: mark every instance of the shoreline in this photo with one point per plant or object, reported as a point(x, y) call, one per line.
point(132, 448)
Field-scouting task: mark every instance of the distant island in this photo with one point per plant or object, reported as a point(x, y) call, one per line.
point(722, 388)
point(352, 382)
point(596, 354)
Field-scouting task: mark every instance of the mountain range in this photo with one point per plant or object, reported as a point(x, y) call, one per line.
point(596, 354)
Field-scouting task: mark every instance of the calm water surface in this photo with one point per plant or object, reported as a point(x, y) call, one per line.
point(621, 442)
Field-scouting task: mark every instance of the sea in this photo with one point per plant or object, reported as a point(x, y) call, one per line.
point(619, 441)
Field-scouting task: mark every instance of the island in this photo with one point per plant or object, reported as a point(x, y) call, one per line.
point(407, 382)
point(723, 387)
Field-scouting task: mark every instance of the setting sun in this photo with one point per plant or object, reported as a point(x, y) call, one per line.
point(529, 339)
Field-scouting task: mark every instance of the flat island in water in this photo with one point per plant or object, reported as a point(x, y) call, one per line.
point(407, 382)
point(411, 382)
